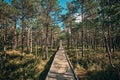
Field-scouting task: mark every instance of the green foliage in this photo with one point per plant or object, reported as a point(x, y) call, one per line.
point(8, 10)
point(96, 64)
point(30, 67)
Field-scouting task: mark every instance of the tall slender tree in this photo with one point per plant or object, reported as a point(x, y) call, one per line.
point(48, 6)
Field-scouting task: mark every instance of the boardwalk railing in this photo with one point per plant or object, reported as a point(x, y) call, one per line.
point(71, 66)
point(61, 68)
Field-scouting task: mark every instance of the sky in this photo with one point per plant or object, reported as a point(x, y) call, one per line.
point(77, 16)
point(61, 3)
point(8, 1)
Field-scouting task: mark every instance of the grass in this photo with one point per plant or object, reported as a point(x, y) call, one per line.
point(29, 68)
point(94, 65)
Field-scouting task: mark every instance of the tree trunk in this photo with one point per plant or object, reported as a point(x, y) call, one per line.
point(113, 45)
point(110, 59)
point(30, 41)
point(15, 37)
point(68, 41)
point(109, 37)
point(46, 43)
point(51, 39)
point(82, 31)
point(77, 60)
point(36, 49)
point(94, 40)
point(22, 33)
point(5, 37)
point(109, 53)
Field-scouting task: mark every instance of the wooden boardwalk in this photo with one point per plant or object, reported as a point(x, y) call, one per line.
point(60, 68)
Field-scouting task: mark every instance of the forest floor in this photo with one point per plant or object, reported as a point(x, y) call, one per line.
point(60, 69)
point(94, 65)
point(30, 67)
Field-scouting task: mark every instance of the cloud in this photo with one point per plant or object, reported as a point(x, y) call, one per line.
point(78, 18)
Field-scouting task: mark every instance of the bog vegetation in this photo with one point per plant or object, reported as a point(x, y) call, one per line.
point(30, 31)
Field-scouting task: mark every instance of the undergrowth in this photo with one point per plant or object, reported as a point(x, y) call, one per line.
point(95, 65)
point(28, 68)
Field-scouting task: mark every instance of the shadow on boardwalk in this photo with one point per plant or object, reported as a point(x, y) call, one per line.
point(44, 73)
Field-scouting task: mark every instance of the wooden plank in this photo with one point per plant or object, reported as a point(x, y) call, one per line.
point(60, 68)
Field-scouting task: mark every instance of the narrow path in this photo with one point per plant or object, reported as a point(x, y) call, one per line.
point(60, 68)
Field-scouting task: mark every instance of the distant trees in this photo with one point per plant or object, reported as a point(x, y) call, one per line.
point(48, 7)
point(5, 17)
point(27, 24)
point(99, 28)
point(97, 17)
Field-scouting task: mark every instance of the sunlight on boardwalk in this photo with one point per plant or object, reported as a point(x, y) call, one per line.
point(60, 69)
